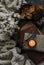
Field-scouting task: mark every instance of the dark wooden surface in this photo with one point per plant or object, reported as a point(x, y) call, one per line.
point(29, 27)
point(35, 56)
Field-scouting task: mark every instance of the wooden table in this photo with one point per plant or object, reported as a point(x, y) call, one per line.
point(29, 27)
point(35, 56)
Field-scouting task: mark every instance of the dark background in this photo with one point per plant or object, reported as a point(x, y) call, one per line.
point(36, 2)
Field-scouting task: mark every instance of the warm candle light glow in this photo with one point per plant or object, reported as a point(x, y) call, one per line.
point(32, 43)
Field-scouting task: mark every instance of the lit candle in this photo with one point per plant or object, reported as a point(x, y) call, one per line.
point(32, 43)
